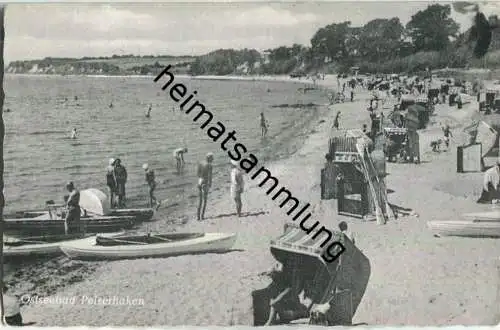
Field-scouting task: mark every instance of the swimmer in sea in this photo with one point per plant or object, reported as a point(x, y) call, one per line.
point(148, 113)
point(204, 184)
point(73, 133)
point(179, 158)
point(263, 124)
point(111, 105)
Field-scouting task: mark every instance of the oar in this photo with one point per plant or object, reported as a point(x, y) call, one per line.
point(125, 241)
point(378, 210)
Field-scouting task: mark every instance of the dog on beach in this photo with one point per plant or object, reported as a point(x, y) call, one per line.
point(436, 145)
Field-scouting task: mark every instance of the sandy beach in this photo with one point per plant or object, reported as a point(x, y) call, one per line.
point(416, 278)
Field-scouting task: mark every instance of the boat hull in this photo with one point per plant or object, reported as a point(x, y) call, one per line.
point(42, 249)
point(465, 228)
point(86, 249)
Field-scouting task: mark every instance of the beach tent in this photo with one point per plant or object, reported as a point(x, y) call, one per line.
point(339, 284)
point(94, 201)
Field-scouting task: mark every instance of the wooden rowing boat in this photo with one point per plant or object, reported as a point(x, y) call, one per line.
point(465, 228)
point(15, 247)
point(147, 246)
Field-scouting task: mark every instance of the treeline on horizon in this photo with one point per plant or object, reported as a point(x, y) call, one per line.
point(431, 39)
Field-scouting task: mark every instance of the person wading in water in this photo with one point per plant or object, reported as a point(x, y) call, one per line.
point(72, 223)
point(204, 184)
point(120, 174)
point(150, 180)
point(111, 182)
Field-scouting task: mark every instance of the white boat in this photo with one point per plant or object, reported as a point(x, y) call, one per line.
point(483, 216)
point(41, 245)
point(465, 228)
point(147, 246)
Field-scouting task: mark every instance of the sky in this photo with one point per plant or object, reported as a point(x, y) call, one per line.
point(35, 31)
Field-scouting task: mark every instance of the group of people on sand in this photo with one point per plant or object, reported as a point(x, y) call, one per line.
point(116, 178)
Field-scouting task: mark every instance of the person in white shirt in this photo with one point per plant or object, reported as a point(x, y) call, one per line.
point(237, 185)
point(179, 158)
point(12, 309)
point(491, 184)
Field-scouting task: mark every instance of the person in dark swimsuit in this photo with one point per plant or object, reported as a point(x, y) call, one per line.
point(72, 221)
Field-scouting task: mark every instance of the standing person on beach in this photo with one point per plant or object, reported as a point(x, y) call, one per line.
point(151, 181)
point(148, 113)
point(179, 158)
point(111, 182)
point(72, 223)
point(204, 184)
point(447, 135)
point(237, 185)
point(336, 120)
point(73, 133)
point(263, 124)
point(120, 173)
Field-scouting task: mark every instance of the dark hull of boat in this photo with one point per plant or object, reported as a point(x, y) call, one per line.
point(140, 215)
point(37, 227)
